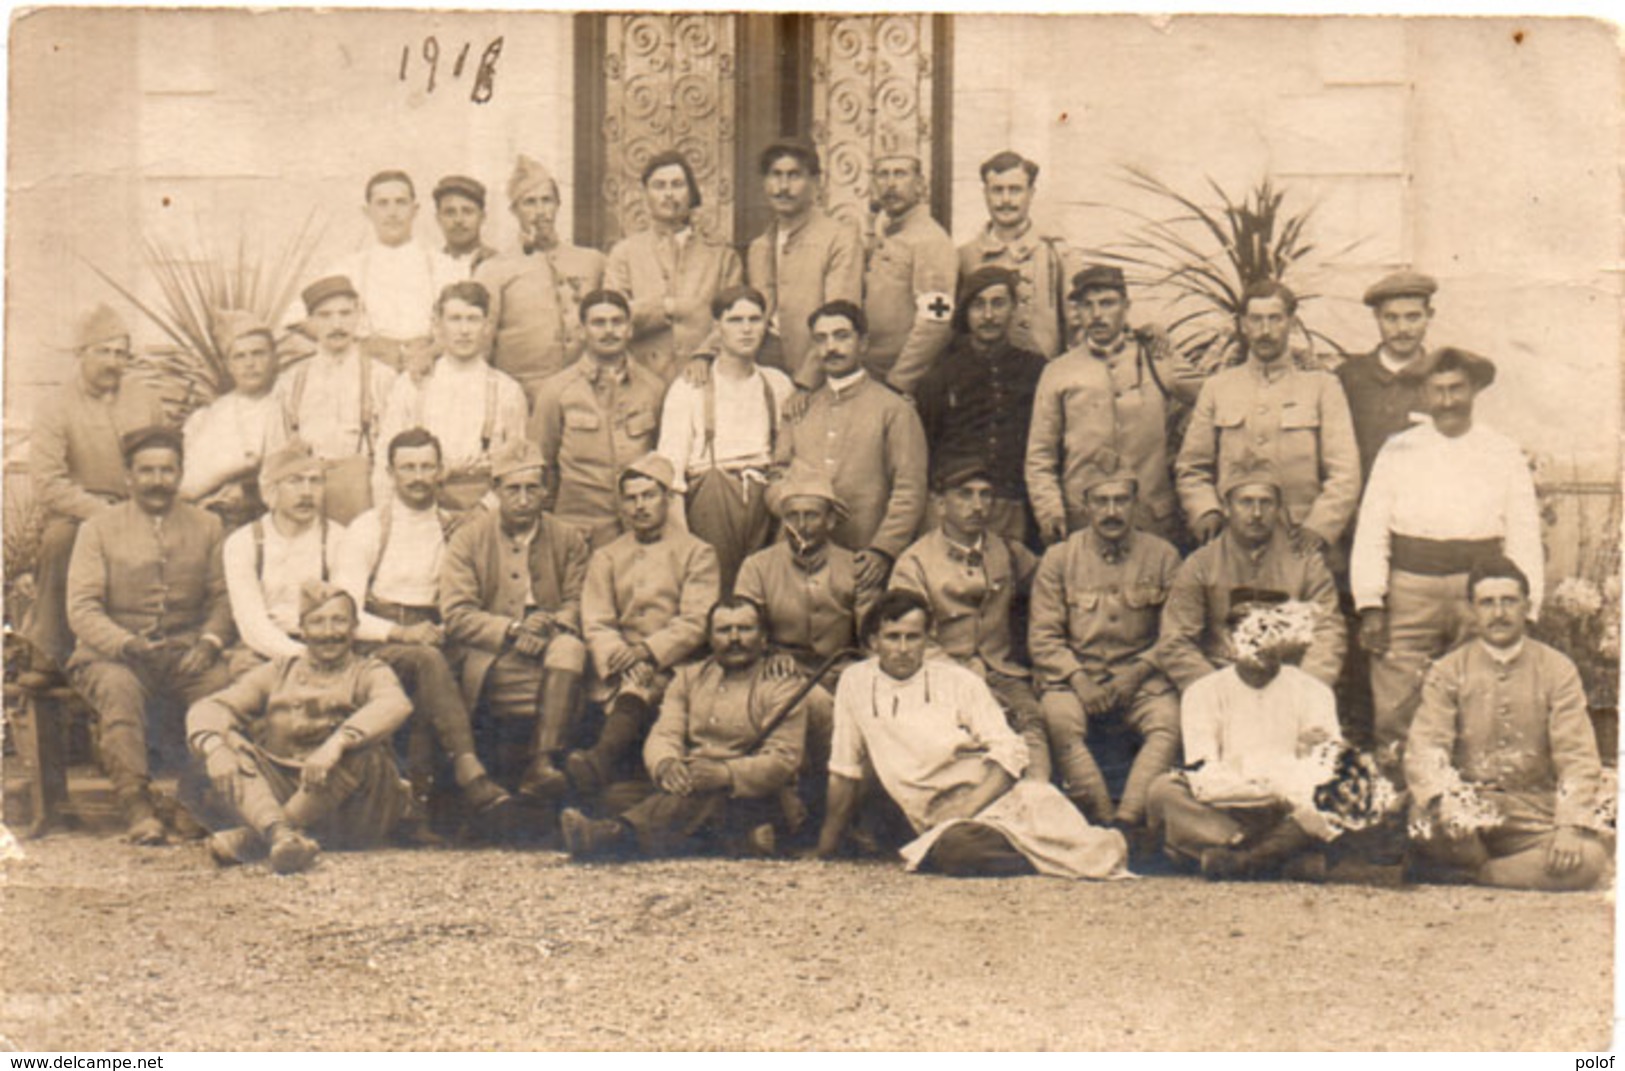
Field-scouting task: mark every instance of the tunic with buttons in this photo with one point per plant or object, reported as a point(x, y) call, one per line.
point(1517, 731)
point(912, 257)
point(972, 593)
point(980, 406)
point(799, 270)
point(75, 465)
point(1195, 641)
point(655, 593)
point(812, 603)
point(1096, 606)
point(1297, 420)
point(870, 443)
point(535, 299)
point(691, 269)
point(709, 714)
point(591, 421)
point(1043, 264)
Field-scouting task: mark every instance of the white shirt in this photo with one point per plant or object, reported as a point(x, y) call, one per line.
point(406, 572)
point(266, 606)
point(226, 436)
point(1431, 486)
point(398, 286)
point(329, 411)
point(451, 402)
point(743, 423)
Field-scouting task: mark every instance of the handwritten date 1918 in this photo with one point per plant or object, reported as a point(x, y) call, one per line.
point(484, 75)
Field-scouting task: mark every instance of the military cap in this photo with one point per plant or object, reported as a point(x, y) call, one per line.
point(528, 177)
point(1481, 370)
point(314, 594)
point(983, 278)
point(462, 186)
point(294, 458)
point(961, 471)
point(151, 435)
point(1400, 284)
point(1248, 469)
point(803, 481)
point(326, 289)
point(1097, 277)
point(1105, 466)
point(232, 324)
point(100, 324)
point(797, 148)
point(655, 466)
point(517, 456)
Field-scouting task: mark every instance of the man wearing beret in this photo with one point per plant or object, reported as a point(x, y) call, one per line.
point(334, 400)
point(226, 440)
point(269, 559)
point(1443, 495)
point(1109, 392)
point(643, 612)
point(299, 748)
point(75, 465)
point(1040, 263)
point(908, 282)
point(977, 582)
point(510, 595)
point(977, 402)
point(1384, 387)
point(147, 601)
point(1096, 602)
point(536, 290)
point(594, 418)
point(459, 209)
point(805, 258)
point(671, 271)
point(1252, 552)
point(1297, 419)
point(866, 439)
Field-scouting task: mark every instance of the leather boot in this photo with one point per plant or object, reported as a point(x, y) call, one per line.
point(291, 850)
point(143, 824)
point(628, 721)
point(586, 837)
point(555, 711)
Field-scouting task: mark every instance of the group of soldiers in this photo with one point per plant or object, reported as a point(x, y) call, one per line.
point(858, 541)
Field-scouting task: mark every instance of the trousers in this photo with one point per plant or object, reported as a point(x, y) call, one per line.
point(973, 850)
point(1188, 825)
point(362, 800)
point(1021, 707)
point(127, 695)
point(47, 624)
point(1427, 616)
point(1152, 715)
point(672, 825)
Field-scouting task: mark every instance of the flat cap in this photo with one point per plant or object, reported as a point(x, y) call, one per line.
point(655, 466)
point(797, 148)
point(294, 458)
point(151, 435)
point(528, 177)
point(1481, 370)
point(462, 186)
point(1104, 466)
point(981, 279)
point(959, 471)
point(1401, 284)
point(1245, 599)
point(1097, 277)
point(100, 324)
point(314, 594)
point(326, 289)
point(802, 481)
point(232, 324)
point(1248, 469)
point(517, 456)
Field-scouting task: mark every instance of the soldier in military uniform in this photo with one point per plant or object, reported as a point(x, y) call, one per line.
point(908, 285)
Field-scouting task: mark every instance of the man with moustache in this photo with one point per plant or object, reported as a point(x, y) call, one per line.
point(226, 439)
point(536, 290)
point(1040, 263)
point(908, 282)
point(670, 272)
point(269, 559)
point(147, 602)
point(1096, 601)
point(1298, 420)
point(725, 744)
point(977, 403)
point(1505, 715)
point(977, 583)
point(389, 562)
point(1443, 496)
point(642, 613)
point(866, 439)
point(334, 400)
point(76, 466)
point(1384, 387)
point(459, 210)
point(1110, 392)
point(299, 749)
point(934, 737)
point(510, 595)
point(805, 258)
point(595, 417)
point(473, 409)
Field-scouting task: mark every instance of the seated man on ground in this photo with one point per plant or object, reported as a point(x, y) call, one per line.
point(940, 746)
point(727, 741)
point(1501, 759)
point(298, 748)
point(1241, 807)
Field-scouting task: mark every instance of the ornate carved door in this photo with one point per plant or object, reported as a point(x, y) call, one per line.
point(719, 86)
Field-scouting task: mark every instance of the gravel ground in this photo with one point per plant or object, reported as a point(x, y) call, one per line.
point(111, 947)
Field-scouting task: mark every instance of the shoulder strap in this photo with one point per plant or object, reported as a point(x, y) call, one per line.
point(772, 414)
point(259, 549)
point(1058, 269)
point(488, 424)
point(365, 445)
point(1151, 364)
point(386, 519)
point(322, 535)
point(296, 397)
point(711, 417)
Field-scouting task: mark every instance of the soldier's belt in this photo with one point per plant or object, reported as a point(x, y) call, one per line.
point(1439, 557)
point(402, 614)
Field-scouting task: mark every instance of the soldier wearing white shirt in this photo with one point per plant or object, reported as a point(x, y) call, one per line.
point(335, 399)
point(472, 409)
point(226, 439)
point(1443, 496)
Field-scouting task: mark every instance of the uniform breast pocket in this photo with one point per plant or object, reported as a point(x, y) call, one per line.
point(1230, 413)
point(1145, 596)
point(640, 423)
point(582, 420)
point(1297, 416)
